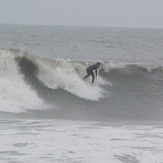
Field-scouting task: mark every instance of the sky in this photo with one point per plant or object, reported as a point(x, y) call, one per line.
point(109, 13)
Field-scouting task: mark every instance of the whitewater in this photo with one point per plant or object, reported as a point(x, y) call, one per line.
point(48, 113)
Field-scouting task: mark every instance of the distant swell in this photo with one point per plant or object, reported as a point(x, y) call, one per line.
point(122, 91)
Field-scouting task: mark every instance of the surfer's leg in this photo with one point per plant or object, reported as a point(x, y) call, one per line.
point(93, 77)
point(86, 76)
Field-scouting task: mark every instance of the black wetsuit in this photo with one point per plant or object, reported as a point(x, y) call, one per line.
point(89, 71)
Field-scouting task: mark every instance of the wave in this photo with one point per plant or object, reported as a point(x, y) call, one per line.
point(123, 89)
point(14, 92)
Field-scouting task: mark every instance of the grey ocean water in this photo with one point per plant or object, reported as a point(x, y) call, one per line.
point(49, 114)
point(85, 43)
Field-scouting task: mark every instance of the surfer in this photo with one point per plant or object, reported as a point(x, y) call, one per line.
point(90, 69)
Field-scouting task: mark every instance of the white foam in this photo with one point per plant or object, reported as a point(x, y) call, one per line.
point(62, 74)
point(42, 141)
point(15, 94)
point(114, 64)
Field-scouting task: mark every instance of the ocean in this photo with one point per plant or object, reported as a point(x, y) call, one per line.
point(48, 113)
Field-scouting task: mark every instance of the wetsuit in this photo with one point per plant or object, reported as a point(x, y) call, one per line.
point(89, 71)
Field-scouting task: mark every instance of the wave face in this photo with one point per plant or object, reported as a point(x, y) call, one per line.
point(55, 88)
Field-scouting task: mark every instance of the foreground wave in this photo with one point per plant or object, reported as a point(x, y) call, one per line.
point(123, 90)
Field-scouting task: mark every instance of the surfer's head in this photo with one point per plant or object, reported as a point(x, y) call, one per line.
point(98, 64)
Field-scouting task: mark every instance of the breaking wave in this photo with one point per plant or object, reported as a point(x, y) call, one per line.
point(122, 90)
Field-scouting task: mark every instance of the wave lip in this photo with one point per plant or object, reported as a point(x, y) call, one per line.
point(15, 94)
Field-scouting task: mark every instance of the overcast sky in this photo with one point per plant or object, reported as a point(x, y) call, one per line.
point(112, 13)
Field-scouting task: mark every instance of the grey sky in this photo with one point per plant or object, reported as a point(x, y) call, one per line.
point(113, 13)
